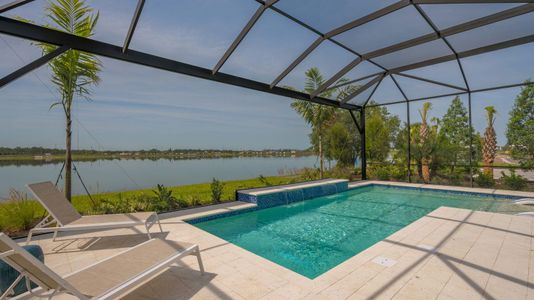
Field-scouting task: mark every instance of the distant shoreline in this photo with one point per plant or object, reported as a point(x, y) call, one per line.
point(54, 155)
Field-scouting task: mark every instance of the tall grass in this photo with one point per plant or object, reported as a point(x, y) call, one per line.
point(19, 213)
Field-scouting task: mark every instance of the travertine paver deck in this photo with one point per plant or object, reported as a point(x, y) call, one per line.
point(448, 254)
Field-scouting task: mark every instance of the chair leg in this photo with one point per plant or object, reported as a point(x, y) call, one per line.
point(148, 231)
point(159, 223)
point(54, 236)
point(29, 238)
point(200, 264)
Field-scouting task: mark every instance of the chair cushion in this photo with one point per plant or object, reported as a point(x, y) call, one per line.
point(8, 274)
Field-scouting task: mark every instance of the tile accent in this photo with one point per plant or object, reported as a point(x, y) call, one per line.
point(286, 194)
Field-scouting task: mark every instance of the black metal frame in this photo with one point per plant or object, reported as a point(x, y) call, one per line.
point(66, 41)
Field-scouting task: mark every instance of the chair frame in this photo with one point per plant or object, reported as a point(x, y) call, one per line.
point(113, 293)
point(52, 219)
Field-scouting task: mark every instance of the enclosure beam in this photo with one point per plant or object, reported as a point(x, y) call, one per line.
point(368, 18)
point(42, 34)
point(297, 61)
point(432, 81)
point(470, 141)
point(32, 66)
point(242, 34)
point(133, 25)
point(508, 86)
point(12, 5)
point(362, 143)
point(409, 140)
point(322, 37)
point(494, 47)
point(355, 121)
point(336, 77)
point(409, 159)
point(363, 88)
point(469, 1)
point(470, 25)
point(353, 81)
point(374, 90)
point(445, 40)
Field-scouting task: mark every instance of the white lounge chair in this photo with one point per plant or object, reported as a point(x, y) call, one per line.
point(524, 201)
point(62, 216)
point(111, 278)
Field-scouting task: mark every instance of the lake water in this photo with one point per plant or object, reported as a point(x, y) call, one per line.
point(121, 175)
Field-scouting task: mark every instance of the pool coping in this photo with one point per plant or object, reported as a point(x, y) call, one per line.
point(290, 187)
point(237, 207)
point(202, 214)
point(484, 191)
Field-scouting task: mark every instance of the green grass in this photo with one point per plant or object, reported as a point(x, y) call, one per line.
point(201, 190)
point(13, 214)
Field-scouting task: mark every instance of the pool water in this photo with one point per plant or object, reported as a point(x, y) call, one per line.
point(313, 236)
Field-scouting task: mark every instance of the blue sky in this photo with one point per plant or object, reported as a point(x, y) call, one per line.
point(137, 107)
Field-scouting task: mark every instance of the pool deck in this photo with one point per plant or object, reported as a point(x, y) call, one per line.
point(448, 254)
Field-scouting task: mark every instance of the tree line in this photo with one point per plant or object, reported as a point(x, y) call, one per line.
point(440, 147)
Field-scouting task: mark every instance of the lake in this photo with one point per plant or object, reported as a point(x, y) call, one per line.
point(128, 174)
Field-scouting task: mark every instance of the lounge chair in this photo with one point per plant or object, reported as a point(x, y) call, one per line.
point(111, 278)
point(62, 216)
point(524, 201)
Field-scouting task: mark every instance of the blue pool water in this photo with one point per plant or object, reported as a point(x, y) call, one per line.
point(313, 236)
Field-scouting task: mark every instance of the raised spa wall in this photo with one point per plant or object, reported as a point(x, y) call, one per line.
point(279, 195)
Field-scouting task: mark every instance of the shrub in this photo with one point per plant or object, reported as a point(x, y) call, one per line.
point(340, 172)
point(514, 181)
point(379, 172)
point(217, 188)
point(310, 174)
point(183, 201)
point(18, 213)
point(398, 172)
point(455, 177)
point(164, 200)
point(485, 180)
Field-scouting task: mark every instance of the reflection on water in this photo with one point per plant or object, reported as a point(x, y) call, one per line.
point(105, 175)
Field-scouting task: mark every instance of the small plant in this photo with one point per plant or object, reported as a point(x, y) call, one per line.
point(18, 213)
point(164, 200)
point(513, 181)
point(485, 180)
point(217, 188)
point(264, 180)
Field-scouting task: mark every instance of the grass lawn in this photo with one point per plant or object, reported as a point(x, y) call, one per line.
point(17, 216)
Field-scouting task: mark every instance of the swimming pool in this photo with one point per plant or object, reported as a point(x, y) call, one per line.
point(312, 236)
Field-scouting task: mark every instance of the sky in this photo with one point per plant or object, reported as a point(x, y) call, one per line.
point(136, 107)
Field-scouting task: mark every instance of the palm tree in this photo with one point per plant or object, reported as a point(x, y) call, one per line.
point(489, 148)
point(74, 72)
point(316, 115)
point(423, 139)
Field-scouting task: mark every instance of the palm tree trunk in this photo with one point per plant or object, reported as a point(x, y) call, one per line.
point(425, 168)
point(68, 158)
